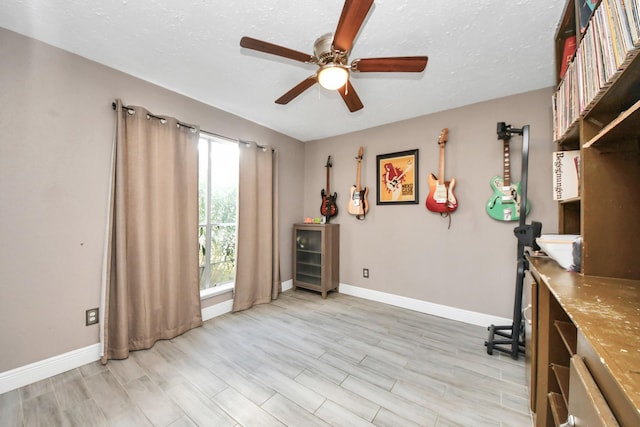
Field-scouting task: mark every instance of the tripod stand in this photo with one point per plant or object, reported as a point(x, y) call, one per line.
point(510, 338)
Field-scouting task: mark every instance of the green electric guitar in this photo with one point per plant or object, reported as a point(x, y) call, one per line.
point(504, 203)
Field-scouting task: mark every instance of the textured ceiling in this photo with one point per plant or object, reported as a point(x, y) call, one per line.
point(477, 50)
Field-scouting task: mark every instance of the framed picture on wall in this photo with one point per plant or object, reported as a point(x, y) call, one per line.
point(397, 181)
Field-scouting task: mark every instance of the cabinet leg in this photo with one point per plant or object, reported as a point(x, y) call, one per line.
point(324, 295)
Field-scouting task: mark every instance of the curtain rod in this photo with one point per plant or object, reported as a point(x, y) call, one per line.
point(114, 106)
point(129, 109)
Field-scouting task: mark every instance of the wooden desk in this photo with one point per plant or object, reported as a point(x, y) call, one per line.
point(604, 315)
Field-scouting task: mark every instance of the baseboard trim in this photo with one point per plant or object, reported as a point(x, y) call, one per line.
point(217, 310)
point(28, 374)
point(426, 307)
point(287, 284)
point(37, 371)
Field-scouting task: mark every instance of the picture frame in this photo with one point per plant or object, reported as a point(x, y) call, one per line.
point(397, 178)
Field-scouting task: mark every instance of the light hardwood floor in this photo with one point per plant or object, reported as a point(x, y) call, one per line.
point(299, 361)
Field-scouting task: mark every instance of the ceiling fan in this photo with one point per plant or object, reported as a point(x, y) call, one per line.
point(331, 54)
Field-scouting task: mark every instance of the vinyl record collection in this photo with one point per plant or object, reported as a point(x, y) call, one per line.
point(609, 43)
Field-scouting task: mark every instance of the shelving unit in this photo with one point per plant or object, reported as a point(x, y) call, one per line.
point(584, 350)
point(316, 257)
point(605, 130)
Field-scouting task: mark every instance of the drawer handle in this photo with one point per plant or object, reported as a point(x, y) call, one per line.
point(524, 313)
point(571, 422)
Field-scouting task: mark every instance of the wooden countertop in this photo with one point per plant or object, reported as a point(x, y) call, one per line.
point(607, 312)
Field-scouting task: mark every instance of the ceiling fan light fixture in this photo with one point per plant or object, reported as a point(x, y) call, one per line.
point(333, 76)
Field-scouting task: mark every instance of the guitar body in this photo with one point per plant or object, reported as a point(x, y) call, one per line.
point(504, 203)
point(329, 206)
point(441, 198)
point(358, 204)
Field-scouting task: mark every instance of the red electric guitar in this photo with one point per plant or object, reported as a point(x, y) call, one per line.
point(329, 207)
point(441, 198)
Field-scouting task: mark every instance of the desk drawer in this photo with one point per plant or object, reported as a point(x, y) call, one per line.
point(587, 406)
point(618, 400)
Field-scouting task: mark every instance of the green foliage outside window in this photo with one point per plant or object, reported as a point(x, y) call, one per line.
point(223, 192)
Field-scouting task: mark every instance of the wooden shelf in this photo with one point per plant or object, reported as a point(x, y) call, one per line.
point(624, 127)
point(312, 264)
point(569, 335)
point(573, 200)
point(562, 377)
point(558, 408)
point(620, 92)
point(571, 136)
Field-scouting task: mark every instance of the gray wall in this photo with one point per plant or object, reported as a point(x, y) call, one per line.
point(56, 127)
point(408, 249)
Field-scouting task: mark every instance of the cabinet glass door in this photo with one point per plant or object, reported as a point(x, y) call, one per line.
point(309, 256)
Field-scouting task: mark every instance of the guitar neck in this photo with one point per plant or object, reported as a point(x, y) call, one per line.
point(327, 186)
point(359, 159)
point(506, 173)
point(441, 166)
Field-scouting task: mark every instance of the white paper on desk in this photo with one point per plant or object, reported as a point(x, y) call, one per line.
point(559, 247)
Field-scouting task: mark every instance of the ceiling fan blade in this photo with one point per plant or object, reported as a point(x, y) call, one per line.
point(406, 64)
point(297, 90)
point(351, 19)
point(350, 97)
point(274, 49)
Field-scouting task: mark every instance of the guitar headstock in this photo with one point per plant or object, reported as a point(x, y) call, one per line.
point(328, 165)
point(442, 140)
point(359, 154)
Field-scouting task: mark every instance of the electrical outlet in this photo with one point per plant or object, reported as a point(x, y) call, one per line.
point(365, 273)
point(91, 316)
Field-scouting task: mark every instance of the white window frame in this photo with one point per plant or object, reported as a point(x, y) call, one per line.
point(216, 289)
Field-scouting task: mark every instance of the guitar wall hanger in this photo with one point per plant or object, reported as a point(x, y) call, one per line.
point(505, 131)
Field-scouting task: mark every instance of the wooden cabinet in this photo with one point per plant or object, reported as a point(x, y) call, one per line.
point(316, 257)
point(587, 347)
point(597, 111)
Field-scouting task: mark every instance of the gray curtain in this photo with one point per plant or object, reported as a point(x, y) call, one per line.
point(258, 258)
point(150, 284)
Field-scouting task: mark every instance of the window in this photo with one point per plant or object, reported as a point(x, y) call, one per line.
point(218, 200)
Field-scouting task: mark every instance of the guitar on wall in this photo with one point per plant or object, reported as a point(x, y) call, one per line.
point(329, 208)
point(441, 198)
point(358, 203)
point(504, 203)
